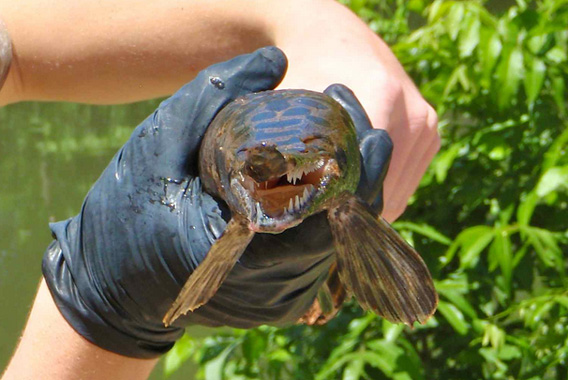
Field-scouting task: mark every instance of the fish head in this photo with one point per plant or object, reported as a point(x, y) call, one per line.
point(291, 152)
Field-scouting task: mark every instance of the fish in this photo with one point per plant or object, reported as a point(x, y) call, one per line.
point(276, 158)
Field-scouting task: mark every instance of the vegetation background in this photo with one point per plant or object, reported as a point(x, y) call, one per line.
point(490, 217)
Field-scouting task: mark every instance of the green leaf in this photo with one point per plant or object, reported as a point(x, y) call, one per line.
point(471, 242)
point(454, 317)
point(254, 345)
point(458, 300)
point(454, 18)
point(509, 352)
point(556, 55)
point(179, 354)
point(490, 53)
point(391, 331)
point(553, 179)
point(534, 79)
point(501, 254)
point(214, 368)
point(354, 370)
point(425, 230)
point(545, 245)
point(444, 161)
point(493, 335)
point(437, 10)
point(469, 35)
point(558, 88)
point(510, 75)
point(526, 208)
point(556, 151)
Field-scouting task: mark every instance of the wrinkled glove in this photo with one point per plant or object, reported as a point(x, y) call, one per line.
point(115, 269)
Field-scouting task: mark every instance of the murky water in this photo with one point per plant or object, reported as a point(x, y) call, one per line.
point(50, 155)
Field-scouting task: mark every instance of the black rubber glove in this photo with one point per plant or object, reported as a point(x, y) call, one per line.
point(115, 269)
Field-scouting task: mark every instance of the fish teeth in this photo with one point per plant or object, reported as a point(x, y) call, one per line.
point(297, 205)
point(258, 213)
point(291, 206)
point(306, 194)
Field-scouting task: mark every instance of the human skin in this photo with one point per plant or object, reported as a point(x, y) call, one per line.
point(106, 52)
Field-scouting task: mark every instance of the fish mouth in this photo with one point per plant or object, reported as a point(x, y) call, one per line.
point(285, 198)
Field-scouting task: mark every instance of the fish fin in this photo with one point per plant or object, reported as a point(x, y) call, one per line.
point(384, 273)
point(328, 302)
point(210, 274)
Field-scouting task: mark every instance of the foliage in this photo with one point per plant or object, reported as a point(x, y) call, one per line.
point(490, 216)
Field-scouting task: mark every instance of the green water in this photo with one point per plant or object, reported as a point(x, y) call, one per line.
point(50, 155)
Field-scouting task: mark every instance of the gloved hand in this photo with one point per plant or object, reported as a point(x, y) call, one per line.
point(115, 269)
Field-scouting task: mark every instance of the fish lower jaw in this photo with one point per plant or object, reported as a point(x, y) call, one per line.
point(273, 225)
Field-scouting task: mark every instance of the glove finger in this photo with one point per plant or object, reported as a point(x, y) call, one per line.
point(177, 127)
point(376, 148)
point(347, 99)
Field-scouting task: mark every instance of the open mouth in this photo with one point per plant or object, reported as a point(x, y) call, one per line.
point(289, 193)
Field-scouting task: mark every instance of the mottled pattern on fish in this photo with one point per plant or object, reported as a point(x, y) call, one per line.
point(278, 157)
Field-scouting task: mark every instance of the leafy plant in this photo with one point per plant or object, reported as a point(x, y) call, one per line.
point(490, 216)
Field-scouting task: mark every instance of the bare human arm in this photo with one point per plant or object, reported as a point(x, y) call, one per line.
point(51, 349)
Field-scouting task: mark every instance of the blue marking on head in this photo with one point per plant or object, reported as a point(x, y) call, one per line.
point(318, 120)
point(266, 115)
point(278, 105)
point(280, 124)
point(312, 103)
point(297, 111)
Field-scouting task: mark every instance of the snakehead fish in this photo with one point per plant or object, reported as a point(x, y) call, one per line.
point(277, 157)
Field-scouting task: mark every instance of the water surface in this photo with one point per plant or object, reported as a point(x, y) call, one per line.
point(50, 155)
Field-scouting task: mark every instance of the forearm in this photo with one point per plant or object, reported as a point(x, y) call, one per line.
point(110, 52)
point(51, 349)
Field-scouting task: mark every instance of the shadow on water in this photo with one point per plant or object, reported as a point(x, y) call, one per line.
point(51, 154)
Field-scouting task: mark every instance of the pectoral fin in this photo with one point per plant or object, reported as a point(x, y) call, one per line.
point(384, 273)
point(210, 274)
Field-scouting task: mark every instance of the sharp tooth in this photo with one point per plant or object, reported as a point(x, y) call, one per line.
point(258, 213)
point(297, 203)
point(289, 177)
point(291, 205)
point(306, 194)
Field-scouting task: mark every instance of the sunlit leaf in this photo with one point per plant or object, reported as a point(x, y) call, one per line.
point(180, 353)
point(556, 55)
point(489, 52)
point(444, 161)
point(559, 87)
point(214, 368)
point(471, 242)
point(493, 335)
point(425, 230)
point(552, 180)
point(500, 254)
point(469, 35)
point(354, 370)
point(526, 208)
point(511, 72)
point(534, 79)
point(454, 317)
point(454, 18)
